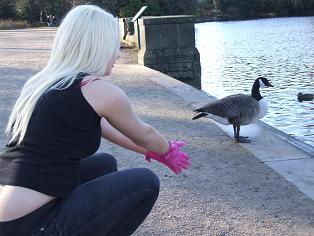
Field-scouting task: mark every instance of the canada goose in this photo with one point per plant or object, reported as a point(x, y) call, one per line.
point(238, 109)
point(305, 97)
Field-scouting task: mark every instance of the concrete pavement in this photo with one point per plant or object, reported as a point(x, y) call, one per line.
point(262, 188)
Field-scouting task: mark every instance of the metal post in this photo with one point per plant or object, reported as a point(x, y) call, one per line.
point(135, 18)
point(138, 35)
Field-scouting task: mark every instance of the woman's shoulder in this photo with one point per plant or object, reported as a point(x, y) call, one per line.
point(102, 94)
point(96, 83)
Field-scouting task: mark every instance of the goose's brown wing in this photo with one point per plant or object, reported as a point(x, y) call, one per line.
point(237, 105)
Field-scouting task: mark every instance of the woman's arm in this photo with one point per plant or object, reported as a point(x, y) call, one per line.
point(115, 136)
point(122, 126)
point(112, 103)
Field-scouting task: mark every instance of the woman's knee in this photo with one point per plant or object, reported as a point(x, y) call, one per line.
point(97, 165)
point(106, 161)
point(151, 179)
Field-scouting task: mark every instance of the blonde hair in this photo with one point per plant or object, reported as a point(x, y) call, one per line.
point(87, 41)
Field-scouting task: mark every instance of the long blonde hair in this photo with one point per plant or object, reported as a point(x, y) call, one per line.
point(86, 41)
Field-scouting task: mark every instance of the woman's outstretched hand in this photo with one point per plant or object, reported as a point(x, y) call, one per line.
point(175, 159)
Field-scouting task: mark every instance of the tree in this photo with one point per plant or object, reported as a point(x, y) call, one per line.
point(28, 9)
point(221, 5)
point(174, 7)
point(131, 7)
point(7, 9)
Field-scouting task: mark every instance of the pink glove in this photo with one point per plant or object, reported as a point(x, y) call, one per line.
point(175, 159)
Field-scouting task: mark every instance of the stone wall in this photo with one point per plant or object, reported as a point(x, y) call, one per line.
point(167, 44)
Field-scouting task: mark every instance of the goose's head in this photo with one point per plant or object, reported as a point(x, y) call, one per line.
point(263, 82)
point(260, 82)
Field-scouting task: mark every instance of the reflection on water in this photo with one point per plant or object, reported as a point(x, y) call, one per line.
point(235, 53)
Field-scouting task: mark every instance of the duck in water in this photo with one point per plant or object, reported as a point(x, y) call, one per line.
point(305, 97)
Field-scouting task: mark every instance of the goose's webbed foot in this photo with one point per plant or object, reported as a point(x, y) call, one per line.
point(243, 139)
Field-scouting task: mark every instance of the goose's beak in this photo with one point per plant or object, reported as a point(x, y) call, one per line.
point(270, 85)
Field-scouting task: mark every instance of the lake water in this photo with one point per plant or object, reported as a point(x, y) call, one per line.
point(233, 54)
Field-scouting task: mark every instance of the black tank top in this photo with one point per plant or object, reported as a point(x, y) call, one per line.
point(63, 129)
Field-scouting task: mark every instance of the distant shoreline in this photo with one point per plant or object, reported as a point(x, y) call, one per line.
point(234, 18)
point(9, 24)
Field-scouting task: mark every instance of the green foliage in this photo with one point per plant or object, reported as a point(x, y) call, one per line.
point(131, 7)
point(255, 8)
point(153, 8)
point(7, 9)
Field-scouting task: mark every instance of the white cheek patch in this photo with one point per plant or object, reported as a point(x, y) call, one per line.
point(261, 84)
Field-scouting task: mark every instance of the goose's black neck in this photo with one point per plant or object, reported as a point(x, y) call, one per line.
point(255, 91)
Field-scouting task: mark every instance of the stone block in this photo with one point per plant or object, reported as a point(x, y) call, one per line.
point(160, 67)
point(181, 66)
point(167, 44)
point(181, 74)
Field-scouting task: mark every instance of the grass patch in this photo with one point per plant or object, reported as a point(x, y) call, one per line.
point(126, 45)
point(9, 24)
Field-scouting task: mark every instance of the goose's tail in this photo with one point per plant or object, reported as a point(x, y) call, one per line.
point(201, 109)
point(202, 114)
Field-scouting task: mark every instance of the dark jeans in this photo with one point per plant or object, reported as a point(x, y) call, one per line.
point(107, 202)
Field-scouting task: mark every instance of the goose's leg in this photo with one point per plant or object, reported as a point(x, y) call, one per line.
point(241, 139)
point(234, 131)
